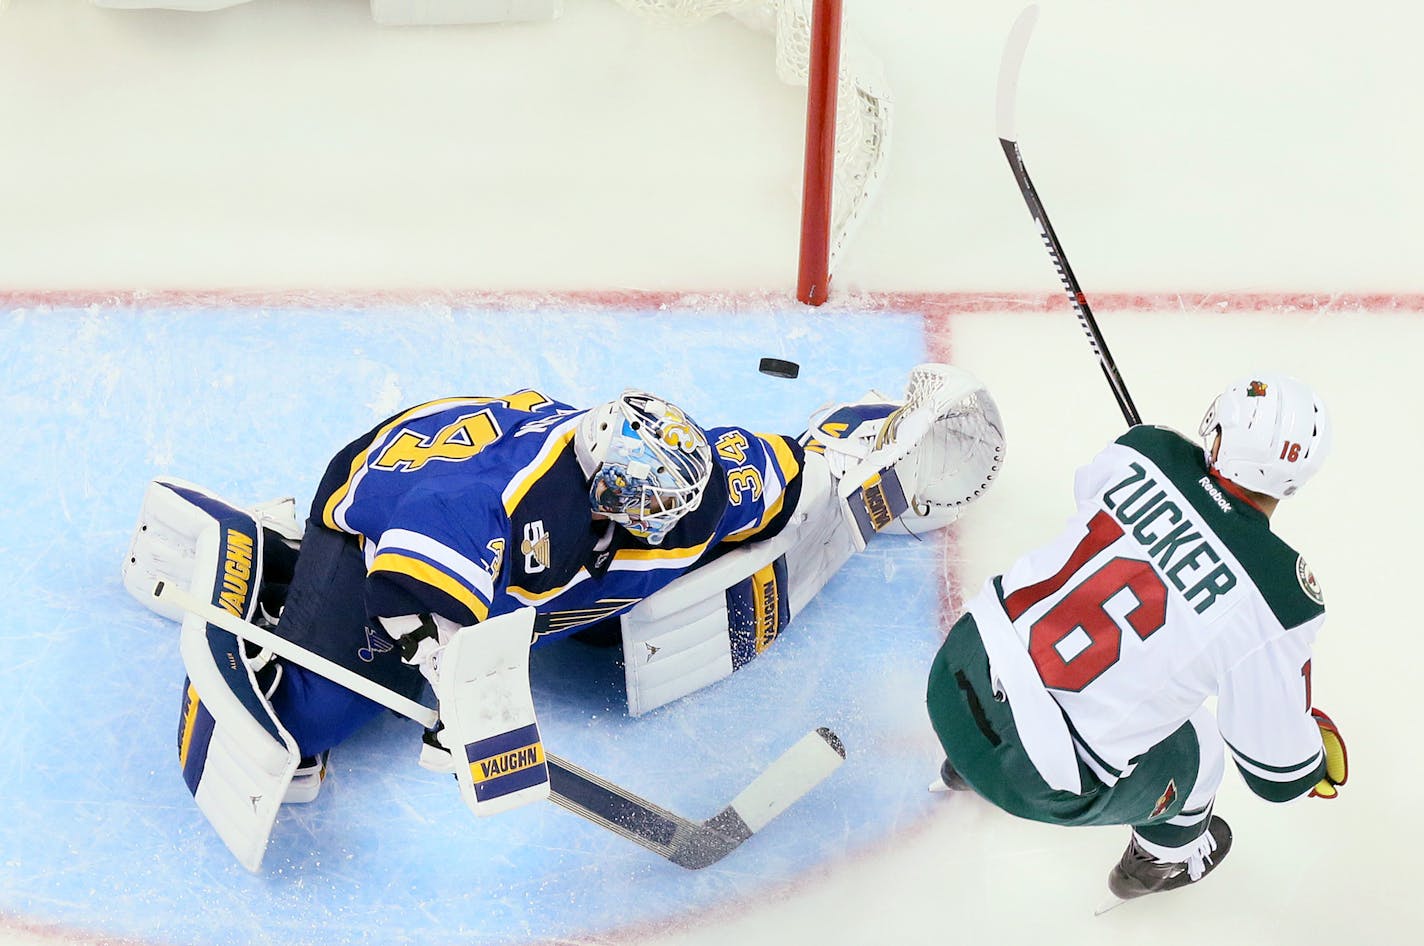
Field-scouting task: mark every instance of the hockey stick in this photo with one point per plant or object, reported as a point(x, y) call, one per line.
point(695, 844)
point(1009, 66)
point(687, 843)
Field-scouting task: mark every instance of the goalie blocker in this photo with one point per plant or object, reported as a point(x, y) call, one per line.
point(873, 465)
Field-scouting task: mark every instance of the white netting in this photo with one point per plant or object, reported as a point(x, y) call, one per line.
point(863, 102)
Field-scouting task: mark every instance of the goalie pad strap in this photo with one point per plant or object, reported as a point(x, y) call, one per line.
point(164, 547)
point(758, 607)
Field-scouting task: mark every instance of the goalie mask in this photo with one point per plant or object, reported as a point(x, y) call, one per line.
point(651, 463)
point(1274, 431)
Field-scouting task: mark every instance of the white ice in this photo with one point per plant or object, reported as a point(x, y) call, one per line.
point(230, 240)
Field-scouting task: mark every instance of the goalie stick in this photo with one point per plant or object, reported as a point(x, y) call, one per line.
point(1014, 48)
point(684, 842)
point(696, 844)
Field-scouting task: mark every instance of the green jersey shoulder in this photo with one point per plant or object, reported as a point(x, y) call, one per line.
point(1278, 571)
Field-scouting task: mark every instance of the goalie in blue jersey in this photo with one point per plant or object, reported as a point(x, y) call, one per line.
point(522, 520)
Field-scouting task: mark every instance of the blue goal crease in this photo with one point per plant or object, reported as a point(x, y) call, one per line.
point(251, 404)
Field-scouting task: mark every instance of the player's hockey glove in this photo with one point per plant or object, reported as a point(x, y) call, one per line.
point(1337, 763)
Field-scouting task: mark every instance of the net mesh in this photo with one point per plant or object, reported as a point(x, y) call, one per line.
point(963, 451)
point(863, 103)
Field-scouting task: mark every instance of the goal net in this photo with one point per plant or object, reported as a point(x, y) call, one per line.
point(847, 116)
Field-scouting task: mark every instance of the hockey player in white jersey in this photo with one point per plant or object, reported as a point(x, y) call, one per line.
point(1072, 689)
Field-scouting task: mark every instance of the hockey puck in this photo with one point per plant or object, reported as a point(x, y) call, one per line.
point(779, 368)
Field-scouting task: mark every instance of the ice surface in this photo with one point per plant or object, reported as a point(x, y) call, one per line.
point(251, 404)
point(230, 241)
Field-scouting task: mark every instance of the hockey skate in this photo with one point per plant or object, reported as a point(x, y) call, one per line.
point(1139, 873)
point(949, 780)
point(306, 781)
point(311, 770)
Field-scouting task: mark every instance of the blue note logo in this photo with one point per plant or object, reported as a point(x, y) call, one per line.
point(375, 644)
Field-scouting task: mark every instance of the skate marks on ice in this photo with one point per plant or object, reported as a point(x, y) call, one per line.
point(251, 403)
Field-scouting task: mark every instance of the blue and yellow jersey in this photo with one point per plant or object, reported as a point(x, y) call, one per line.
point(476, 506)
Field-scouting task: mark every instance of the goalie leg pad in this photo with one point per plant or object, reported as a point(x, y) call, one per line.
point(488, 712)
point(236, 757)
point(717, 618)
point(175, 515)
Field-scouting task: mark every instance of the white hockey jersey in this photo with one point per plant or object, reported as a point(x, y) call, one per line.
point(1167, 588)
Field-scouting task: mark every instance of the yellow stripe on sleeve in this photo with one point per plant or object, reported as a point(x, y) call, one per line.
point(427, 574)
point(785, 459)
point(531, 474)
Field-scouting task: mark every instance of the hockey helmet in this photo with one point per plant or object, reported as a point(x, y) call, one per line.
point(1274, 432)
point(651, 462)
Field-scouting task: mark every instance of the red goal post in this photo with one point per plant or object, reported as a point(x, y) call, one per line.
point(848, 108)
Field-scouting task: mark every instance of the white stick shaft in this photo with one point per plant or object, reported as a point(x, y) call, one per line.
point(285, 649)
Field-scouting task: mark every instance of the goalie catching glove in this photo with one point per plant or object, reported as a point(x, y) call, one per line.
point(918, 468)
point(1337, 763)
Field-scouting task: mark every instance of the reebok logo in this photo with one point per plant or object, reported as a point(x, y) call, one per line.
point(1217, 496)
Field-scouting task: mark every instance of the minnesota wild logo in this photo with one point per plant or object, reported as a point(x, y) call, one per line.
point(1308, 582)
point(1256, 389)
point(1165, 800)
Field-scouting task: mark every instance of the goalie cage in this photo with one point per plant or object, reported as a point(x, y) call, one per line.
point(847, 116)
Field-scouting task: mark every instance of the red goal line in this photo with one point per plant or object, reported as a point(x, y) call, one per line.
point(931, 304)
